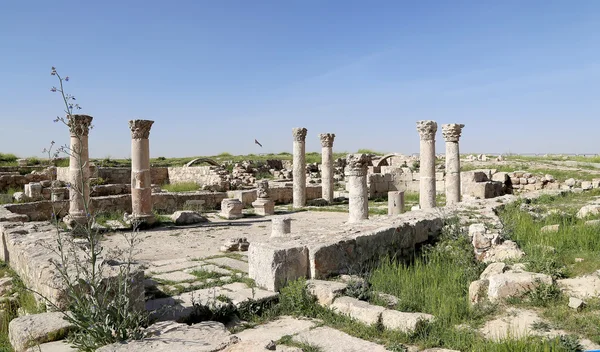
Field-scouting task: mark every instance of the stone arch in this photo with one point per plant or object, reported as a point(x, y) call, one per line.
point(384, 158)
point(203, 160)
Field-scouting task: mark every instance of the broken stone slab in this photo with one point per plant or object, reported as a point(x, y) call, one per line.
point(29, 330)
point(275, 330)
point(187, 217)
point(592, 223)
point(206, 336)
point(492, 269)
point(511, 284)
point(239, 293)
point(587, 210)
point(325, 291)
point(389, 300)
point(405, 322)
point(331, 340)
point(175, 276)
point(576, 303)
point(56, 346)
point(581, 287)
point(180, 307)
point(508, 250)
point(272, 265)
point(230, 263)
point(360, 310)
point(211, 268)
point(235, 244)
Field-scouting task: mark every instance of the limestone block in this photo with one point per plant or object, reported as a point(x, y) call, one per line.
point(586, 185)
point(33, 190)
point(596, 183)
point(505, 251)
point(187, 217)
point(28, 330)
point(478, 291)
point(55, 346)
point(325, 291)
point(231, 208)
point(510, 284)
point(500, 177)
point(169, 336)
point(405, 322)
point(576, 303)
point(272, 265)
point(493, 269)
point(332, 340)
point(264, 207)
point(356, 309)
point(570, 182)
point(281, 226)
point(587, 210)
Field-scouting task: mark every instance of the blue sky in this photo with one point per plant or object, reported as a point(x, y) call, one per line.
point(523, 76)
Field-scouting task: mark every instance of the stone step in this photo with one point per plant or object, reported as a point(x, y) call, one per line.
point(230, 263)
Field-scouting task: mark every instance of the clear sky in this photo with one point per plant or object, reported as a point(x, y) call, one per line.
point(523, 76)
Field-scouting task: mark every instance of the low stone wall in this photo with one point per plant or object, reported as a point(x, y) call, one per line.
point(162, 202)
point(278, 192)
point(27, 248)
point(212, 178)
point(323, 252)
point(392, 178)
point(15, 180)
point(117, 175)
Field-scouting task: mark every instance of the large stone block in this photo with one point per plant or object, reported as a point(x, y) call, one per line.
point(272, 265)
point(29, 330)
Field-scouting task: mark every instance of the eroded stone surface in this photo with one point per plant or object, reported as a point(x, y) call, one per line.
point(360, 310)
point(331, 340)
point(405, 322)
point(325, 291)
point(510, 284)
point(29, 330)
point(207, 336)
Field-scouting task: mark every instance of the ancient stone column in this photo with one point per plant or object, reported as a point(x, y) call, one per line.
point(427, 130)
point(356, 171)
point(299, 168)
point(395, 202)
point(141, 190)
point(451, 133)
point(327, 166)
point(263, 205)
point(79, 169)
point(281, 226)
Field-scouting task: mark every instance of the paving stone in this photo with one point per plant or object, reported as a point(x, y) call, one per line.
point(230, 262)
point(331, 340)
point(173, 267)
point(175, 276)
point(356, 309)
point(56, 346)
point(275, 330)
point(325, 291)
point(207, 336)
point(28, 330)
point(239, 296)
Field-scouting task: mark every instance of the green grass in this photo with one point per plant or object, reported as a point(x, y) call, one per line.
point(103, 217)
point(573, 240)
point(181, 187)
point(559, 174)
point(6, 197)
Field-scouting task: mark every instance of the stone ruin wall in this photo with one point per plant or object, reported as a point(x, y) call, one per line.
point(116, 175)
point(162, 202)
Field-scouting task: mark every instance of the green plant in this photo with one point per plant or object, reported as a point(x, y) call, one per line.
point(101, 301)
point(181, 187)
point(543, 294)
point(359, 289)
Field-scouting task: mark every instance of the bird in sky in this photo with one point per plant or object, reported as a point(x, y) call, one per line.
point(256, 142)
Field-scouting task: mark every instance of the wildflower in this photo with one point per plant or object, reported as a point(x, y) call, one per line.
point(70, 107)
point(52, 143)
point(53, 89)
point(67, 78)
point(53, 73)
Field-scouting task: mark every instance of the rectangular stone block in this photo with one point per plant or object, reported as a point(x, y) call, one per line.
point(273, 265)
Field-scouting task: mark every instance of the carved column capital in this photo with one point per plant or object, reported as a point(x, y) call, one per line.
point(262, 189)
point(327, 139)
point(79, 125)
point(299, 134)
point(452, 131)
point(140, 129)
point(427, 129)
point(356, 164)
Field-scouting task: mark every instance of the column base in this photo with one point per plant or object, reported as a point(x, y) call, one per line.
point(75, 220)
point(142, 220)
point(264, 207)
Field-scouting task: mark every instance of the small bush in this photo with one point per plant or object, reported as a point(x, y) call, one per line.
point(543, 294)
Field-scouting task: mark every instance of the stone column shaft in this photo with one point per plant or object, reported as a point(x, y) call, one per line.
point(79, 168)
point(141, 190)
point(327, 166)
point(451, 134)
point(427, 130)
point(395, 202)
point(299, 167)
point(281, 226)
point(356, 171)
